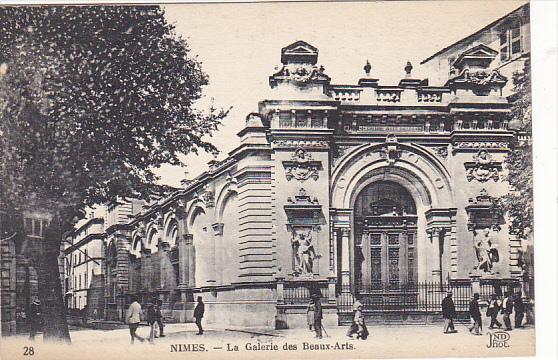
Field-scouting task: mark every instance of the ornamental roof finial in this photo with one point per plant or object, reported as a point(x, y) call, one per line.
point(367, 68)
point(408, 68)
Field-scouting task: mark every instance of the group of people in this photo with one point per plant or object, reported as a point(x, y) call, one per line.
point(495, 307)
point(154, 318)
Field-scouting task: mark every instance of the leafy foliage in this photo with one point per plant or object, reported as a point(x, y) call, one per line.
point(92, 99)
point(519, 202)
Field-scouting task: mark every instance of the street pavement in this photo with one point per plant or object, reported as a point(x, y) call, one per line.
point(224, 342)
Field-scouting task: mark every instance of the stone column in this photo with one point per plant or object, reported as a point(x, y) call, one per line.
point(190, 251)
point(164, 268)
point(186, 265)
point(145, 269)
point(219, 250)
point(345, 257)
point(435, 235)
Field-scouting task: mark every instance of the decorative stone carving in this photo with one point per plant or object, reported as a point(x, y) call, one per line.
point(304, 253)
point(299, 66)
point(483, 168)
point(301, 74)
point(485, 250)
point(483, 212)
point(390, 151)
point(206, 196)
point(472, 72)
point(158, 219)
point(340, 151)
point(301, 166)
point(305, 144)
point(480, 145)
point(442, 151)
point(429, 96)
point(304, 219)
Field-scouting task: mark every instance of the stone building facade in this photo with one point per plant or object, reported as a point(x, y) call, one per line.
point(346, 190)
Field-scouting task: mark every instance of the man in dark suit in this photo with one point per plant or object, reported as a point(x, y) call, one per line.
point(448, 312)
point(317, 315)
point(34, 318)
point(519, 309)
point(507, 309)
point(475, 313)
point(198, 314)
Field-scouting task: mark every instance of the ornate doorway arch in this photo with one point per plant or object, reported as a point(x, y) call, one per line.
point(418, 174)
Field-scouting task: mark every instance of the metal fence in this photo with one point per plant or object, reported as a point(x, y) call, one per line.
point(299, 292)
point(420, 297)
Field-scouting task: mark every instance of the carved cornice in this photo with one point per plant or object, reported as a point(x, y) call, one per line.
point(303, 144)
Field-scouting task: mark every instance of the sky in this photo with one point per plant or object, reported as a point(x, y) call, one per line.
point(240, 44)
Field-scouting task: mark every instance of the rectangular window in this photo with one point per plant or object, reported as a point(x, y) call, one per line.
point(516, 47)
point(504, 38)
point(28, 226)
point(85, 285)
point(36, 228)
point(504, 45)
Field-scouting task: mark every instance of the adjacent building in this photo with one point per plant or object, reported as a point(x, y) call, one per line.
point(507, 38)
point(84, 267)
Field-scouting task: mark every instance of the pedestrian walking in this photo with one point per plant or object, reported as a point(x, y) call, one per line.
point(95, 315)
point(519, 309)
point(353, 329)
point(448, 312)
point(34, 318)
point(507, 309)
point(362, 331)
point(133, 318)
point(198, 315)
point(493, 310)
point(151, 319)
point(474, 312)
point(310, 315)
point(159, 317)
point(318, 315)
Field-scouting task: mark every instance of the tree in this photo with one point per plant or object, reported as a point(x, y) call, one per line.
point(92, 100)
point(518, 204)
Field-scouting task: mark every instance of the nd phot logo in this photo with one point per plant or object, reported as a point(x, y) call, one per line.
point(498, 339)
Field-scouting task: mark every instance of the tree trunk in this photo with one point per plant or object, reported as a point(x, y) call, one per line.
point(55, 326)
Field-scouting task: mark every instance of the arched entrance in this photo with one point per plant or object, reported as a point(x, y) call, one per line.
point(385, 225)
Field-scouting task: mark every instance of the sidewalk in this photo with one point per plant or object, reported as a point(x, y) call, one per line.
point(181, 340)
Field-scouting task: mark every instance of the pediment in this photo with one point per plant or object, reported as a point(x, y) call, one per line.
point(480, 55)
point(299, 51)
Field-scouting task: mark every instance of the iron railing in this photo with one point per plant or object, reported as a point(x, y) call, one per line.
point(420, 297)
point(299, 292)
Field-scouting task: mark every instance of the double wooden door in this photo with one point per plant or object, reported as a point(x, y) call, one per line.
point(388, 258)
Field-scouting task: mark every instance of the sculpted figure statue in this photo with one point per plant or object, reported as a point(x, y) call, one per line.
point(304, 254)
point(486, 252)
